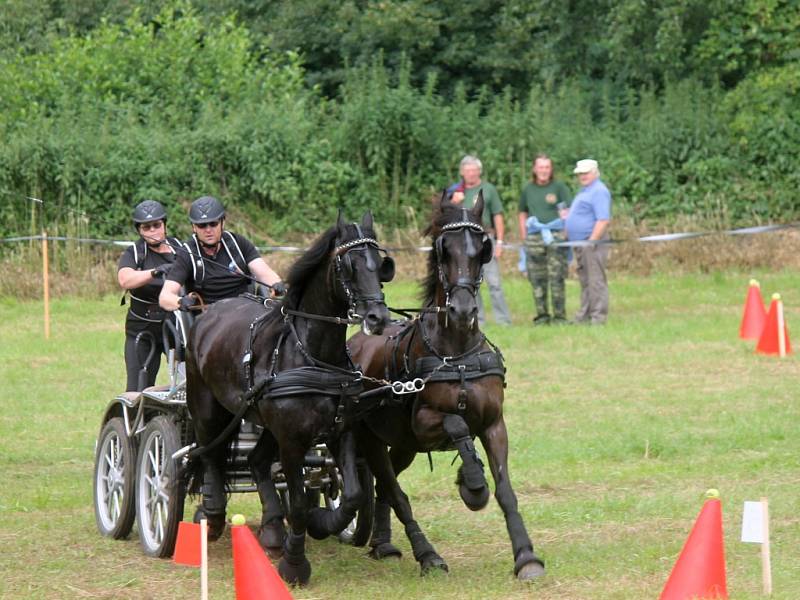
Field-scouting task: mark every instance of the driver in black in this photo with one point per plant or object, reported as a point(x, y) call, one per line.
point(142, 268)
point(212, 261)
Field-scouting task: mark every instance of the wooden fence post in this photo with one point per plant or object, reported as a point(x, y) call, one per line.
point(46, 285)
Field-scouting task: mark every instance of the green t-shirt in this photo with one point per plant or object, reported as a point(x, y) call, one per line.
point(541, 201)
point(491, 201)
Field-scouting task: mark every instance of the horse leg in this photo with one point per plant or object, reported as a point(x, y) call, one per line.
point(323, 522)
point(495, 441)
point(386, 481)
point(272, 532)
point(381, 540)
point(471, 481)
point(210, 421)
point(294, 567)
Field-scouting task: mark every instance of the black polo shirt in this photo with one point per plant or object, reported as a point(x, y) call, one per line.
point(215, 277)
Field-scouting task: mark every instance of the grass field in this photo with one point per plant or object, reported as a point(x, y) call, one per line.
point(616, 433)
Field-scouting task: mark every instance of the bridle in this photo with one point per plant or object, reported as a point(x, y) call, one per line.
point(472, 285)
point(344, 271)
point(343, 267)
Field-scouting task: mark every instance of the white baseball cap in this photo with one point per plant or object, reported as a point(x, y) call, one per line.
point(587, 165)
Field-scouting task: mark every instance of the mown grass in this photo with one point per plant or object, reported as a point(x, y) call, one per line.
point(616, 433)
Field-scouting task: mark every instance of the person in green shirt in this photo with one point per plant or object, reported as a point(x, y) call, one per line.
point(543, 204)
point(471, 169)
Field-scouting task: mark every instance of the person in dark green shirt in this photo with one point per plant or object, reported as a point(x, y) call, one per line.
point(471, 169)
point(542, 206)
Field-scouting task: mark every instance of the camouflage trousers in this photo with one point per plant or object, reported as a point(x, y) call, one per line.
point(547, 268)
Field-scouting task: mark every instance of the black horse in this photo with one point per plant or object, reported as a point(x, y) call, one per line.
point(463, 377)
point(286, 368)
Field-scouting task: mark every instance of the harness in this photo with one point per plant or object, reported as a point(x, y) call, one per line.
point(474, 363)
point(142, 309)
point(320, 377)
point(199, 265)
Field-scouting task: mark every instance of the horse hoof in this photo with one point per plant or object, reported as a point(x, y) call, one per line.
point(433, 563)
point(314, 527)
point(385, 550)
point(474, 499)
point(531, 571)
point(298, 574)
point(527, 566)
point(216, 523)
point(271, 537)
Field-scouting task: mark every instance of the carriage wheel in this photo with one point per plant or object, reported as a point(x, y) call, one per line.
point(359, 530)
point(159, 496)
point(114, 465)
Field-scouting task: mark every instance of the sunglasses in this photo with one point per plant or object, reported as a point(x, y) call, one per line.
point(151, 226)
point(211, 224)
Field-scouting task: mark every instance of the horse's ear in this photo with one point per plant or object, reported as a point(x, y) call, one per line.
point(341, 224)
point(367, 221)
point(477, 210)
point(443, 200)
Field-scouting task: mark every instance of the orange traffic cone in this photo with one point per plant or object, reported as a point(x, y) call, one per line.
point(775, 337)
point(754, 314)
point(254, 575)
point(700, 569)
point(187, 546)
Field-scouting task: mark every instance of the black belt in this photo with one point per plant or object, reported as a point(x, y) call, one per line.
point(147, 311)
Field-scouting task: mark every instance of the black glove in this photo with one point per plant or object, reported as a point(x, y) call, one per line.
point(160, 272)
point(278, 289)
point(186, 302)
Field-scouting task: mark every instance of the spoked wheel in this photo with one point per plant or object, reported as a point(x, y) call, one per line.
point(159, 496)
point(114, 465)
point(359, 530)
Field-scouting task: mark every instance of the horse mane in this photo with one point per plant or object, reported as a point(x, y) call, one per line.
point(442, 214)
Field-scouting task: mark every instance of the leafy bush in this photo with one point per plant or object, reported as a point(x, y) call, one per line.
point(181, 104)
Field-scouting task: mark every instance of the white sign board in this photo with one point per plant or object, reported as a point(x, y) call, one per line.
point(753, 522)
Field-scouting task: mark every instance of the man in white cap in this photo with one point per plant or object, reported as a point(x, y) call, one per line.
point(588, 219)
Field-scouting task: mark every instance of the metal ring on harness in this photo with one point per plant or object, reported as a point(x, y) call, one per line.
point(408, 387)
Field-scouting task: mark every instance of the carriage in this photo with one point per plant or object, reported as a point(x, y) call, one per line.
point(313, 385)
point(144, 439)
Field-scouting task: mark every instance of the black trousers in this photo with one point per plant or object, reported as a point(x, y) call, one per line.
point(133, 363)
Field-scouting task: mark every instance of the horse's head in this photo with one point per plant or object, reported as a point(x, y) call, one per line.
point(361, 270)
point(460, 249)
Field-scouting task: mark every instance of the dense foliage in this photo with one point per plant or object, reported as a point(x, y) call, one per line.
point(288, 110)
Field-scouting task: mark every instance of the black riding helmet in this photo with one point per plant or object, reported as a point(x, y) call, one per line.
point(206, 210)
point(148, 210)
